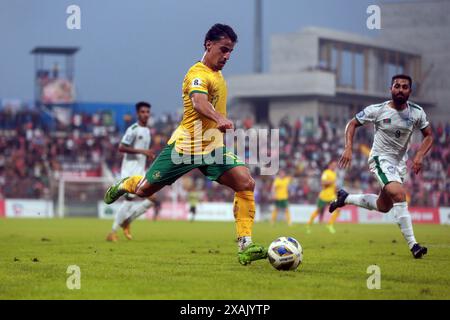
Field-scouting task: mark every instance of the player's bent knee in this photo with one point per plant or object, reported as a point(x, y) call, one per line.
point(247, 184)
point(399, 197)
point(396, 192)
point(251, 185)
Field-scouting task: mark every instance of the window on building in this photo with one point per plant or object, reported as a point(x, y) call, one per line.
point(392, 63)
point(346, 61)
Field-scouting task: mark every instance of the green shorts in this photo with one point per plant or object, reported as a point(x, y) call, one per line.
point(321, 204)
point(171, 165)
point(281, 204)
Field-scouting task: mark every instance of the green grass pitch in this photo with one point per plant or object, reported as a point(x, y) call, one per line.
point(183, 260)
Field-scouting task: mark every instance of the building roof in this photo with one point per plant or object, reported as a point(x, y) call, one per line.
point(352, 38)
point(55, 50)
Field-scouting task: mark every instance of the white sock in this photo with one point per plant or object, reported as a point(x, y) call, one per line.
point(121, 214)
point(139, 210)
point(244, 242)
point(368, 201)
point(403, 219)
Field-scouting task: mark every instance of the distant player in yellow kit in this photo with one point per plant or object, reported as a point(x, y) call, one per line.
point(280, 188)
point(327, 194)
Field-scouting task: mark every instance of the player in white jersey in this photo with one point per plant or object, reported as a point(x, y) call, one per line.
point(394, 122)
point(135, 146)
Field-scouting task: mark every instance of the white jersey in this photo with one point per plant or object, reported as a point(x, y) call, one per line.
point(137, 137)
point(393, 129)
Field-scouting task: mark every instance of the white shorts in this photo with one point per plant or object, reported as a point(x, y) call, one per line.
point(132, 168)
point(387, 169)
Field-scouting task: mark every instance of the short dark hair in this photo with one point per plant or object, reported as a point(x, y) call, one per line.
point(218, 31)
point(402, 76)
point(142, 104)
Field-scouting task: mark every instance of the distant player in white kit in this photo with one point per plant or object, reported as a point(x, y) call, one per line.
point(135, 144)
point(394, 122)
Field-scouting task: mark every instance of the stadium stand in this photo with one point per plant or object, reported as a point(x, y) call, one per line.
point(32, 156)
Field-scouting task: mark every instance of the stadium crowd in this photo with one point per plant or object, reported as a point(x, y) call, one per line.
point(34, 153)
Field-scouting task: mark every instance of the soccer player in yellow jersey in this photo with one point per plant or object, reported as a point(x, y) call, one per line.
point(280, 188)
point(327, 194)
point(198, 143)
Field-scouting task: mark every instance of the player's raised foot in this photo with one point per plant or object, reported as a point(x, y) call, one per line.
point(112, 237)
point(339, 202)
point(126, 229)
point(331, 228)
point(418, 251)
point(251, 253)
point(114, 192)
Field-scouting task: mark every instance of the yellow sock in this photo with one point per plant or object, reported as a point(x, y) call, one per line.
point(244, 212)
point(313, 216)
point(130, 184)
point(274, 215)
point(334, 216)
point(288, 216)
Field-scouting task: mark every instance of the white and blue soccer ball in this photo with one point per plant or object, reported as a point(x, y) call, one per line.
point(285, 253)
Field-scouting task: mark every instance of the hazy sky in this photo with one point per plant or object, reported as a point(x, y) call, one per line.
point(141, 49)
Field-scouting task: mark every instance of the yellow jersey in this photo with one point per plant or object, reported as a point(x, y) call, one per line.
point(328, 193)
point(281, 186)
point(197, 134)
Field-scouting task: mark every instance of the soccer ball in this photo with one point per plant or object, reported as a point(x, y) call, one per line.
point(285, 253)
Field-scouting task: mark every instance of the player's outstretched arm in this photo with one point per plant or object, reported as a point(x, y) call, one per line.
point(127, 149)
point(206, 109)
point(424, 148)
point(346, 158)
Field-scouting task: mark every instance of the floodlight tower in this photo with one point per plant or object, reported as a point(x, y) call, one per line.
point(61, 80)
point(258, 63)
